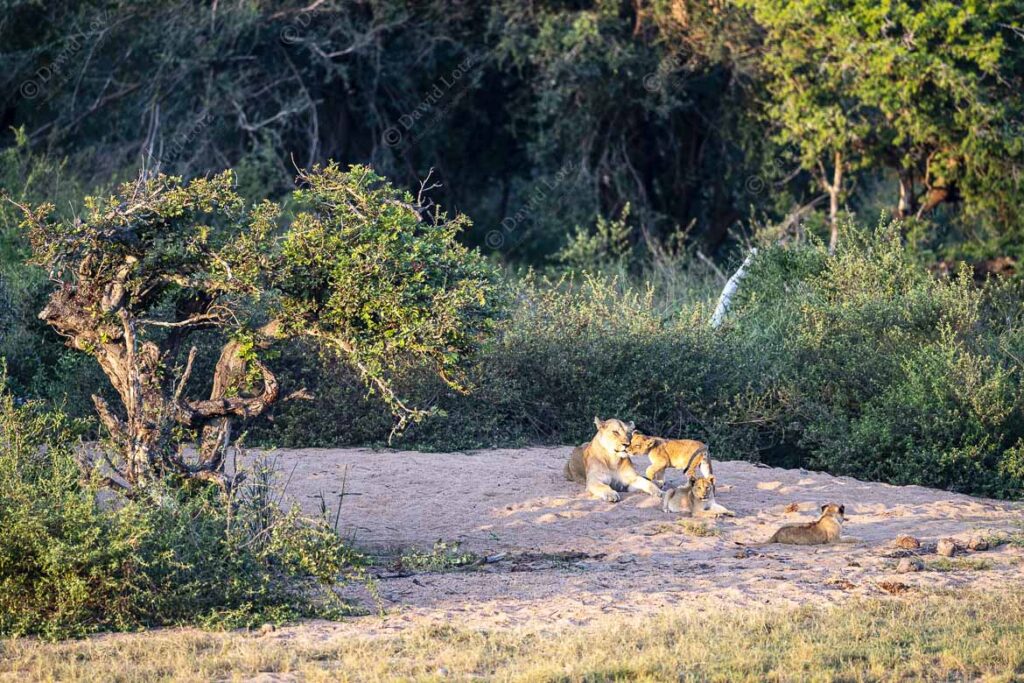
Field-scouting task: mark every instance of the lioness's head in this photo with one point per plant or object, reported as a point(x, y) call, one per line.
point(641, 444)
point(703, 487)
point(834, 510)
point(614, 435)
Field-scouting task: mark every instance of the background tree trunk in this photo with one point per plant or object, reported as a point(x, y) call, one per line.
point(834, 189)
point(906, 206)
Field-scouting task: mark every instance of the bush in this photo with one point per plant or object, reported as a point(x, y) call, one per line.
point(889, 372)
point(573, 347)
point(862, 364)
point(74, 560)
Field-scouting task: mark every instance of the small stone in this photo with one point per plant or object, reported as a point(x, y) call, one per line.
point(907, 542)
point(946, 547)
point(442, 672)
point(909, 564)
point(978, 543)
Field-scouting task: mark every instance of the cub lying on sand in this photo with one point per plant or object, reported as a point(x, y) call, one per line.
point(698, 499)
point(603, 464)
point(825, 530)
point(683, 454)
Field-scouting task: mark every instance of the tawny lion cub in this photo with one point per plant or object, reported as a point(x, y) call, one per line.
point(683, 454)
point(604, 465)
point(825, 530)
point(698, 499)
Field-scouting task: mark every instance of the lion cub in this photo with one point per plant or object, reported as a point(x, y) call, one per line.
point(683, 454)
point(698, 499)
point(825, 530)
point(603, 464)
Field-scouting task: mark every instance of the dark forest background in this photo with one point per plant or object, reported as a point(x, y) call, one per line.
point(706, 119)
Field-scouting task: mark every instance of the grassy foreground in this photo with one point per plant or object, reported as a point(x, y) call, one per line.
point(942, 637)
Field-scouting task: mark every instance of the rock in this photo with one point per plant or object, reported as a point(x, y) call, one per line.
point(907, 542)
point(909, 564)
point(978, 543)
point(946, 547)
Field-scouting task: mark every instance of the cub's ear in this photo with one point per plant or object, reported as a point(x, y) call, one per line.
point(824, 507)
point(631, 426)
point(711, 479)
point(842, 509)
point(597, 422)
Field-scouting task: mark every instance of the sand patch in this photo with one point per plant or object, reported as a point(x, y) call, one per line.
point(568, 558)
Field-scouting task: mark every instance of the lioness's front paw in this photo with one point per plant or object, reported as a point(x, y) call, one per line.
point(612, 497)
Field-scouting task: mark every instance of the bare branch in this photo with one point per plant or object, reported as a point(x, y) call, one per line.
point(195, 321)
point(185, 374)
point(192, 413)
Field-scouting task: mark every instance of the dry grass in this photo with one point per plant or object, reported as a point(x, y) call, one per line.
point(944, 564)
point(947, 637)
point(693, 527)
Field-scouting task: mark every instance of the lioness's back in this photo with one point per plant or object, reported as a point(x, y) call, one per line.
point(576, 467)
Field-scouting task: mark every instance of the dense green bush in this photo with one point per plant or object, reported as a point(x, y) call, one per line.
point(863, 364)
point(890, 372)
point(74, 560)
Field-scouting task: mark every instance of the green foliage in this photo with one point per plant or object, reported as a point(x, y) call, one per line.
point(608, 243)
point(930, 90)
point(358, 270)
point(863, 364)
point(890, 373)
point(74, 560)
point(361, 270)
point(37, 362)
point(444, 556)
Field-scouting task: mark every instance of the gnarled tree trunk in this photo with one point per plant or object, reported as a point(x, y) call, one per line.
point(153, 402)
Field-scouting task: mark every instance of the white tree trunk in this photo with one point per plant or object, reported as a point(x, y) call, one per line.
point(833, 208)
point(730, 290)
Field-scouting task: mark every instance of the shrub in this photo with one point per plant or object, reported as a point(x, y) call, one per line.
point(74, 560)
point(862, 364)
point(891, 373)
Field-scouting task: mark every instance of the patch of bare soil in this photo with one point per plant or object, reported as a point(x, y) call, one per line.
point(563, 558)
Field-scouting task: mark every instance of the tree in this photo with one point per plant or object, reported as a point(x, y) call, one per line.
point(362, 269)
point(930, 90)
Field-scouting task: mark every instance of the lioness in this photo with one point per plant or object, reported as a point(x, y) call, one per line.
point(698, 499)
point(603, 464)
point(684, 454)
point(825, 530)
